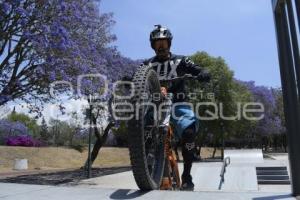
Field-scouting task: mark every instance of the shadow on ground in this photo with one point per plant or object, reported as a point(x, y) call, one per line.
point(125, 194)
point(275, 197)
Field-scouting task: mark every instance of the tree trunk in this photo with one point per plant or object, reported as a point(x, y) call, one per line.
point(99, 143)
point(216, 141)
point(214, 152)
point(203, 137)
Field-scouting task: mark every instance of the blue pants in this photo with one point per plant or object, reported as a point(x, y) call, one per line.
point(185, 117)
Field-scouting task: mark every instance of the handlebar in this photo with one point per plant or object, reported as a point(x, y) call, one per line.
point(184, 77)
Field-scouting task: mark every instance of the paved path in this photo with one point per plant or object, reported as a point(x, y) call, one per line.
point(240, 175)
point(9, 191)
point(240, 183)
point(206, 177)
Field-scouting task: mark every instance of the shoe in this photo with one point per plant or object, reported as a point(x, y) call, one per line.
point(187, 186)
point(187, 183)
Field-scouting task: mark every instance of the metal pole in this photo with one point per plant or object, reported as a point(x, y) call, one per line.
point(222, 139)
point(274, 4)
point(290, 98)
point(90, 138)
point(297, 4)
point(294, 41)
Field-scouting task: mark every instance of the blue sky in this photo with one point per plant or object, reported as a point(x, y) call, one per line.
point(240, 31)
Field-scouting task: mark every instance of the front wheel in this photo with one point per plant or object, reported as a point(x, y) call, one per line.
point(146, 143)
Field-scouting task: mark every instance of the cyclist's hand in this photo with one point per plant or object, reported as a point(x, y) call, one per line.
point(163, 91)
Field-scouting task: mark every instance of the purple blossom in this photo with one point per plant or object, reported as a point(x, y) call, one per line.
point(21, 11)
point(67, 39)
point(12, 128)
point(6, 7)
point(23, 140)
point(271, 123)
point(261, 94)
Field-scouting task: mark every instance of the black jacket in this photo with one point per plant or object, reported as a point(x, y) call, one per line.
point(175, 66)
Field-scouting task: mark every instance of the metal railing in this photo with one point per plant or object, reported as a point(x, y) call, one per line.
point(226, 162)
point(289, 59)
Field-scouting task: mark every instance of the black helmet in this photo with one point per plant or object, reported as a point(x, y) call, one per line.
point(160, 33)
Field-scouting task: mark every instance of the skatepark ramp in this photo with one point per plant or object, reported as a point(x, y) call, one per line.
point(244, 155)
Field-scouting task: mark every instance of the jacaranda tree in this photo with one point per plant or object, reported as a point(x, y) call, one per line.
point(271, 123)
point(43, 41)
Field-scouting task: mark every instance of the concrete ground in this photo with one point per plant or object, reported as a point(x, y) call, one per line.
point(206, 177)
point(240, 174)
point(240, 183)
point(11, 191)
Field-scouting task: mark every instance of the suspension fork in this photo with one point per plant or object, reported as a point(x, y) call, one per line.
point(171, 178)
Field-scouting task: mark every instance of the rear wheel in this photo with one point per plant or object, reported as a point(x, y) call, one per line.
point(146, 144)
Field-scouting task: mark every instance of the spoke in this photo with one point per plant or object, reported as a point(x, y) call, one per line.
point(146, 110)
point(148, 135)
point(151, 131)
point(151, 162)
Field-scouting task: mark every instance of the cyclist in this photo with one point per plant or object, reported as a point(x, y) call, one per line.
point(168, 66)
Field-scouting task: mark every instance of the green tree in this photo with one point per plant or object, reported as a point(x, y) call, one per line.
point(225, 92)
point(62, 132)
point(29, 122)
point(242, 128)
point(44, 132)
point(121, 134)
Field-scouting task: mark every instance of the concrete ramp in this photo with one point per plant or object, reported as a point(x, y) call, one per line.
point(245, 155)
point(240, 178)
point(206, 177)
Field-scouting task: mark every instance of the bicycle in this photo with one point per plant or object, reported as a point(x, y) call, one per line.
point(152, 156)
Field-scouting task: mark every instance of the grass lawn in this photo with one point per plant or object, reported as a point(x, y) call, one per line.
point(56, 158)
point(47, 158)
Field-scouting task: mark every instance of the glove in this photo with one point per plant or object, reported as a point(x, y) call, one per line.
point(204, 76)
